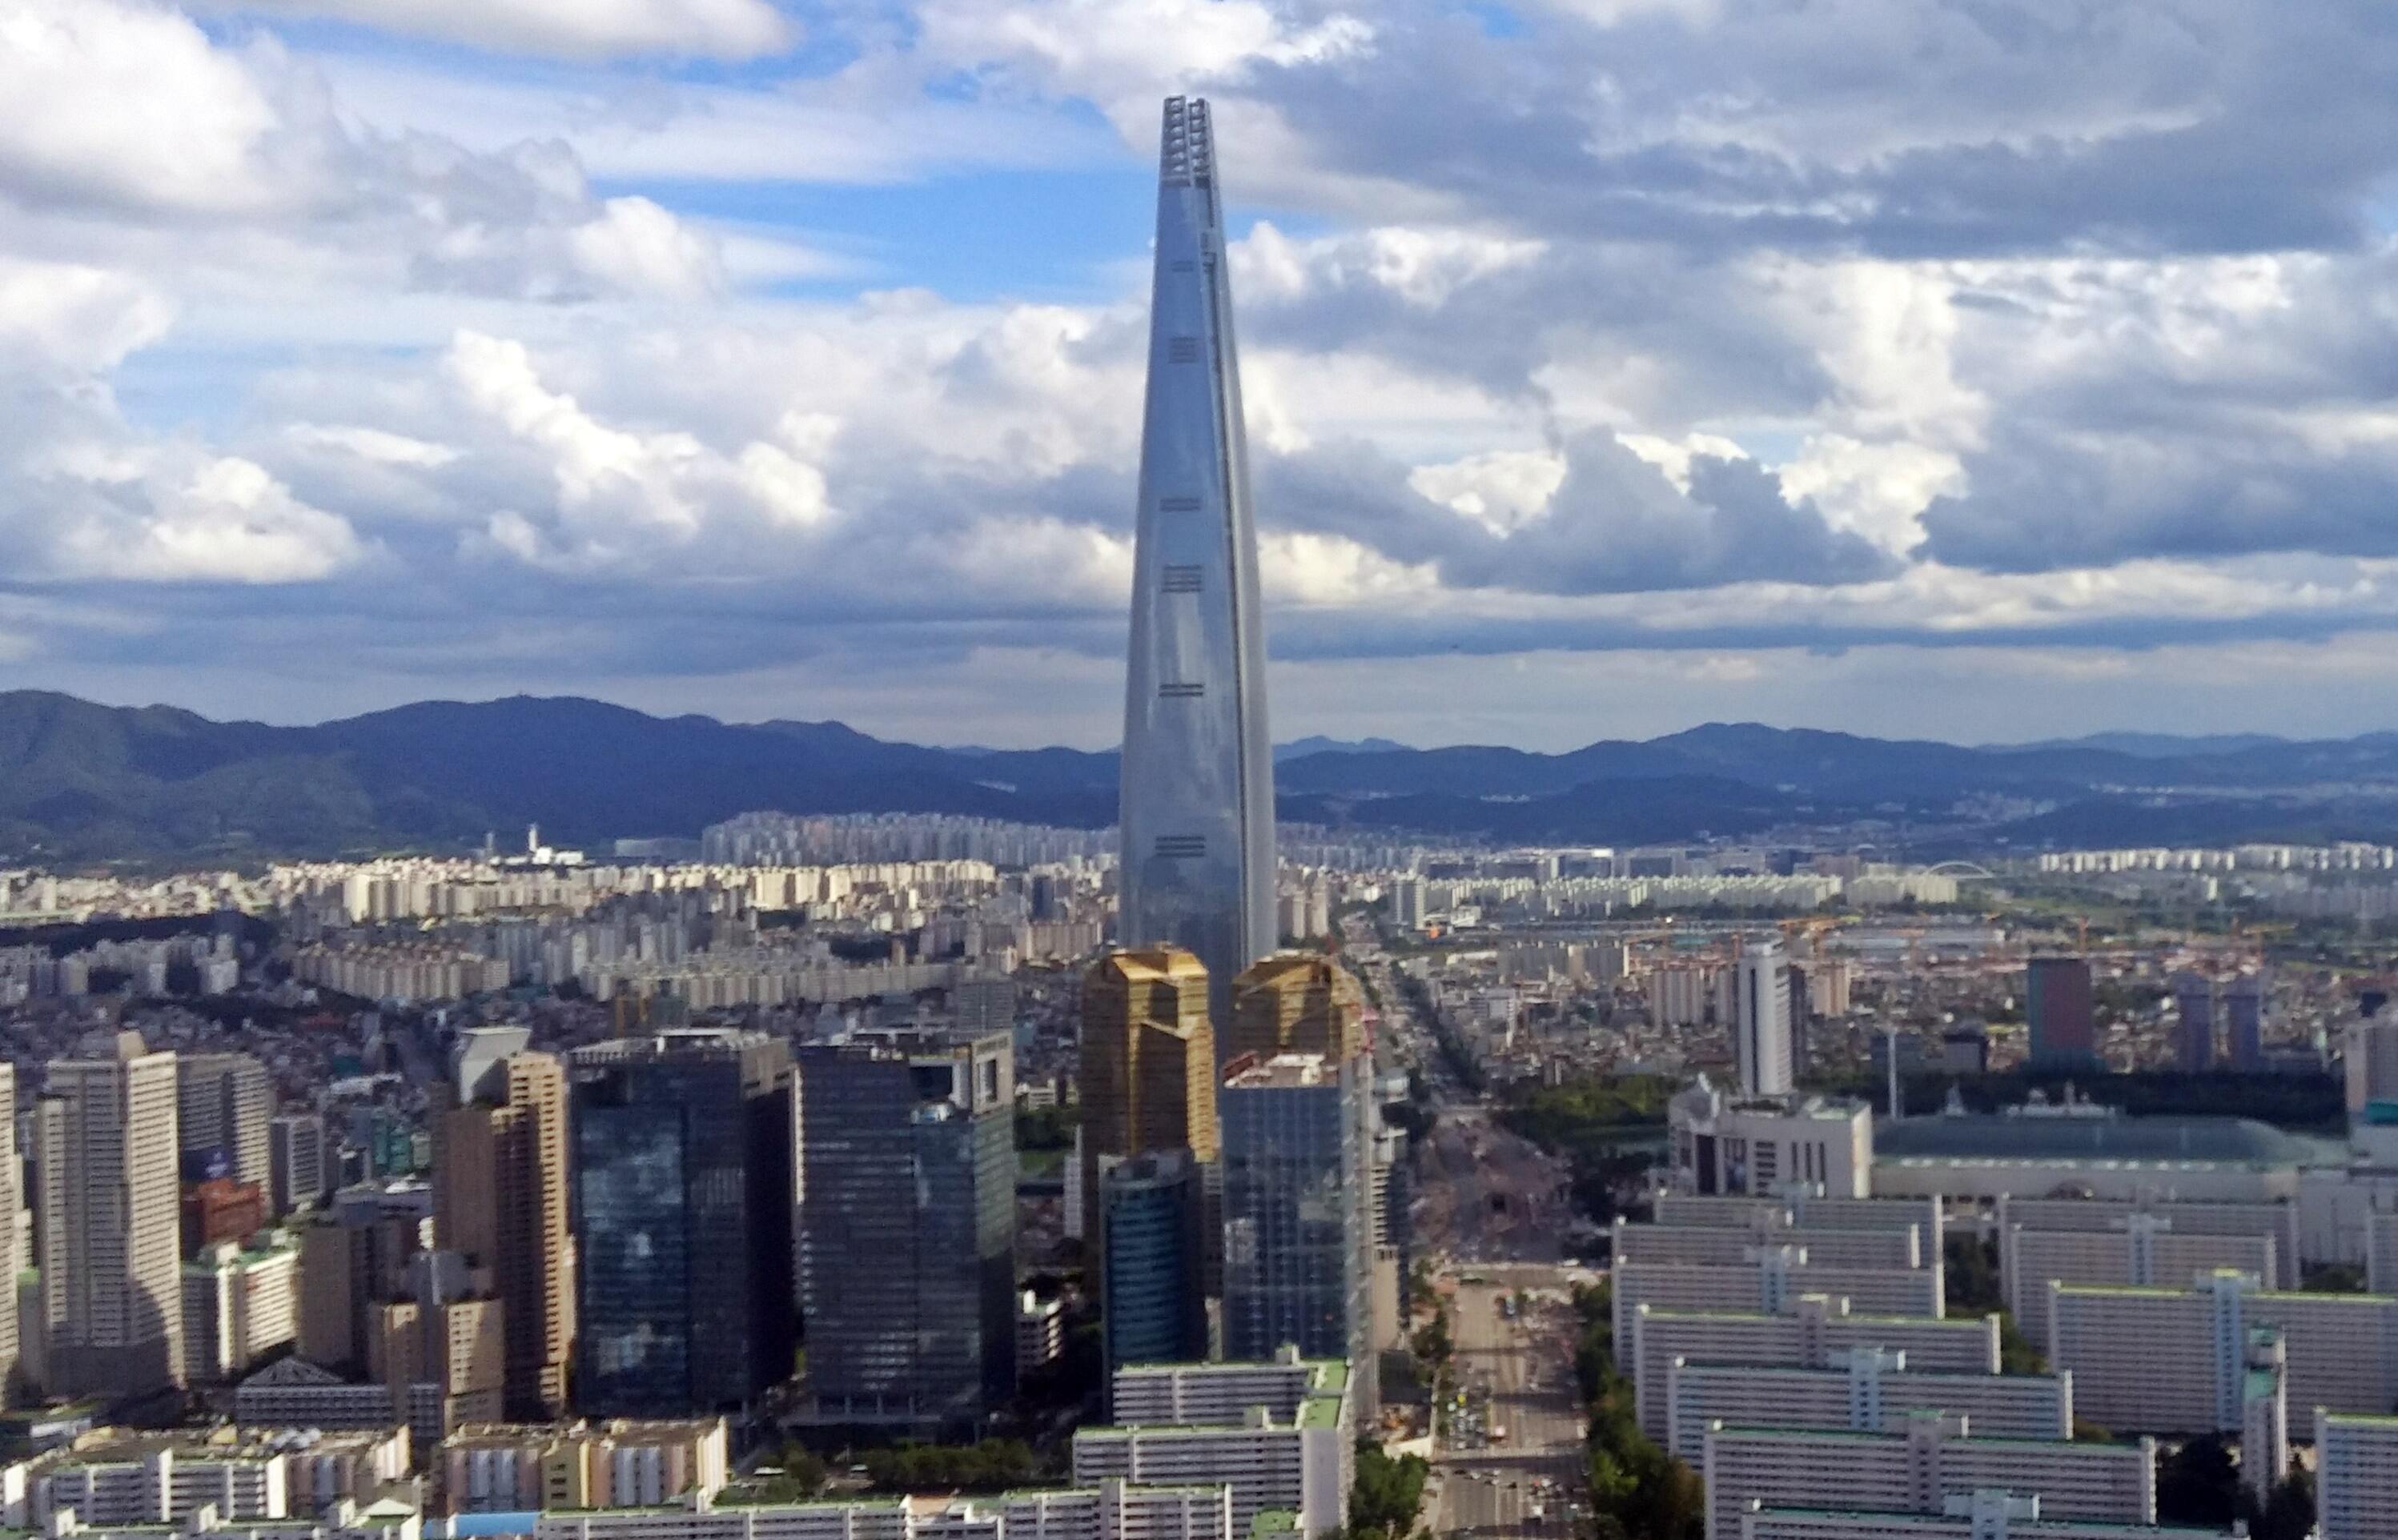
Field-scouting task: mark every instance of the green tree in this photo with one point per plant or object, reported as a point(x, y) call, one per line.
point(1385, 1494)
point(2199, 1484)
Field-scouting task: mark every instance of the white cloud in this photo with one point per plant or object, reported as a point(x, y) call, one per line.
point(573, 29)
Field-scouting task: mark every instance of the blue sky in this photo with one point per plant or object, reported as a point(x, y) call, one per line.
point(2001, 369)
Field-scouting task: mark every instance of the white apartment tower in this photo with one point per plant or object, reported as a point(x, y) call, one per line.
point(112, 1246)
point(1761, 1019)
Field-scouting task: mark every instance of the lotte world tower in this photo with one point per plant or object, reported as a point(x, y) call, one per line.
point(1197, 811)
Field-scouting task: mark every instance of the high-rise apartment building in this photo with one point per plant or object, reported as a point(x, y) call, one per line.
point(1917, 1467)
point(300, 1161)
point(1866, 1390)
point(682, 1178)
point(112, 1258)
point(1812, 1331)
point(907, 1226)
point(2193, 1023)
point(1148, 1058)
point(1152, 1242)
point(2167, 1359)
point(1197, 781)
point(1298, 1247)
point(500, 1200)
point(2061, 1013)
point(1281, 1433)
point(12, 1205)
point(2146, 1251)
point(223, 1105)
point(1297, 1002)
point(1760, 1023)
point(2356, 1475)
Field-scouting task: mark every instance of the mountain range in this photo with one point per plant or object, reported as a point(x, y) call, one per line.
point(84, 781)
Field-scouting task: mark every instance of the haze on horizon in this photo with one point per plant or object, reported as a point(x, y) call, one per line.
point(1987, 373)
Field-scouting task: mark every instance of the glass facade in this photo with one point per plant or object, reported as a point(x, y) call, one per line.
point(681, 1182)
point(1297, 1209)
point(1197, 788)
point(908, 1227)
point(1152, 1260)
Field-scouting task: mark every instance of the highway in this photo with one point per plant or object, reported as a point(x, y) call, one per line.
point(1509, 1465)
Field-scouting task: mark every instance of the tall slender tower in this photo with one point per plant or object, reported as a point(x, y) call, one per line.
point(1197, 814)
point(111, 1221)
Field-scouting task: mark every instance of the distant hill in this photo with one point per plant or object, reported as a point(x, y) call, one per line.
point(80, 782)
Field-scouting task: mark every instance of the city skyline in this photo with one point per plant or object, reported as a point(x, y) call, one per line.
point(778, 361)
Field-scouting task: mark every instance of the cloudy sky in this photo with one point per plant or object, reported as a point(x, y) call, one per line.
point(1985, 369)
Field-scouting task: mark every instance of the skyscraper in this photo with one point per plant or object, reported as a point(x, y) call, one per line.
point(1298, 1210)
point(908, 1227)
point(1148, 1062)
point(1198, 778)
point(11, 1203)
point(1760, 1022)
point(500, 1200)
point(2059, 1010)
point(111, 1221)
point(2193, 1021)
point(1152, 1243)
point(301, 1161)
point(222, 1104)
point(2243, 1022)
point(1297, 1002)
point(683, 1195)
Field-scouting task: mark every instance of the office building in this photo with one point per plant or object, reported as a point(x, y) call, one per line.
point(1991, 1514)
point(2243, 999)
point(908, 1227)
point(300, 1159)
point(240, 1304)
point(1931, 1458)
point(2061, 1013)
point(500, 1200)
point(503, 1468)
point(1148, 1059)
point(442, 1354)
point(1197, 801)
point(221, 1209)
point(1280, 1434)
point(1813, 1332)
point(1760, 1023)
point(1866, 1390)
point(2193, 1023)
point(2356, 1475)
point(1297, 1242)
point(223, 1106)
point(111, 1263)
point(1040, 1331)
point(1105, 1510)
point(1297, 1002)
point(2169, 1361)
point(354, 1255)
point(682, 1181)
point(2369, 1056)
point(2146, 1251)
point(1723, 1144)
point(1152, 1238)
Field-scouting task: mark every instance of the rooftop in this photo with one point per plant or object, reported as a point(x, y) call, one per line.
point(2212, 1141)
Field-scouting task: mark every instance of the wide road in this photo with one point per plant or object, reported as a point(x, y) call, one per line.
point(1512, 1463)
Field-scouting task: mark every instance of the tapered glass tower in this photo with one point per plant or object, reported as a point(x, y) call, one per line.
point(1197, 816)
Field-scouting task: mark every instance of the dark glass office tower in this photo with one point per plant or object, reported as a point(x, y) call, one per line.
point(1197, 798)
point(908, 1227)
point(1153, 1258)
point(682, 1191)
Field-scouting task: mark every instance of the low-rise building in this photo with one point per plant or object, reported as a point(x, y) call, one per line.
point(511, 1468)
point(1725, 1142)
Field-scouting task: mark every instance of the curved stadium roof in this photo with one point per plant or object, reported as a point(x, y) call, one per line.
point(1991, 1136)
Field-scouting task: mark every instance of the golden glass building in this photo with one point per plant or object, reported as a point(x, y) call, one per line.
point(1147, 1075)
point(1297, 1002)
